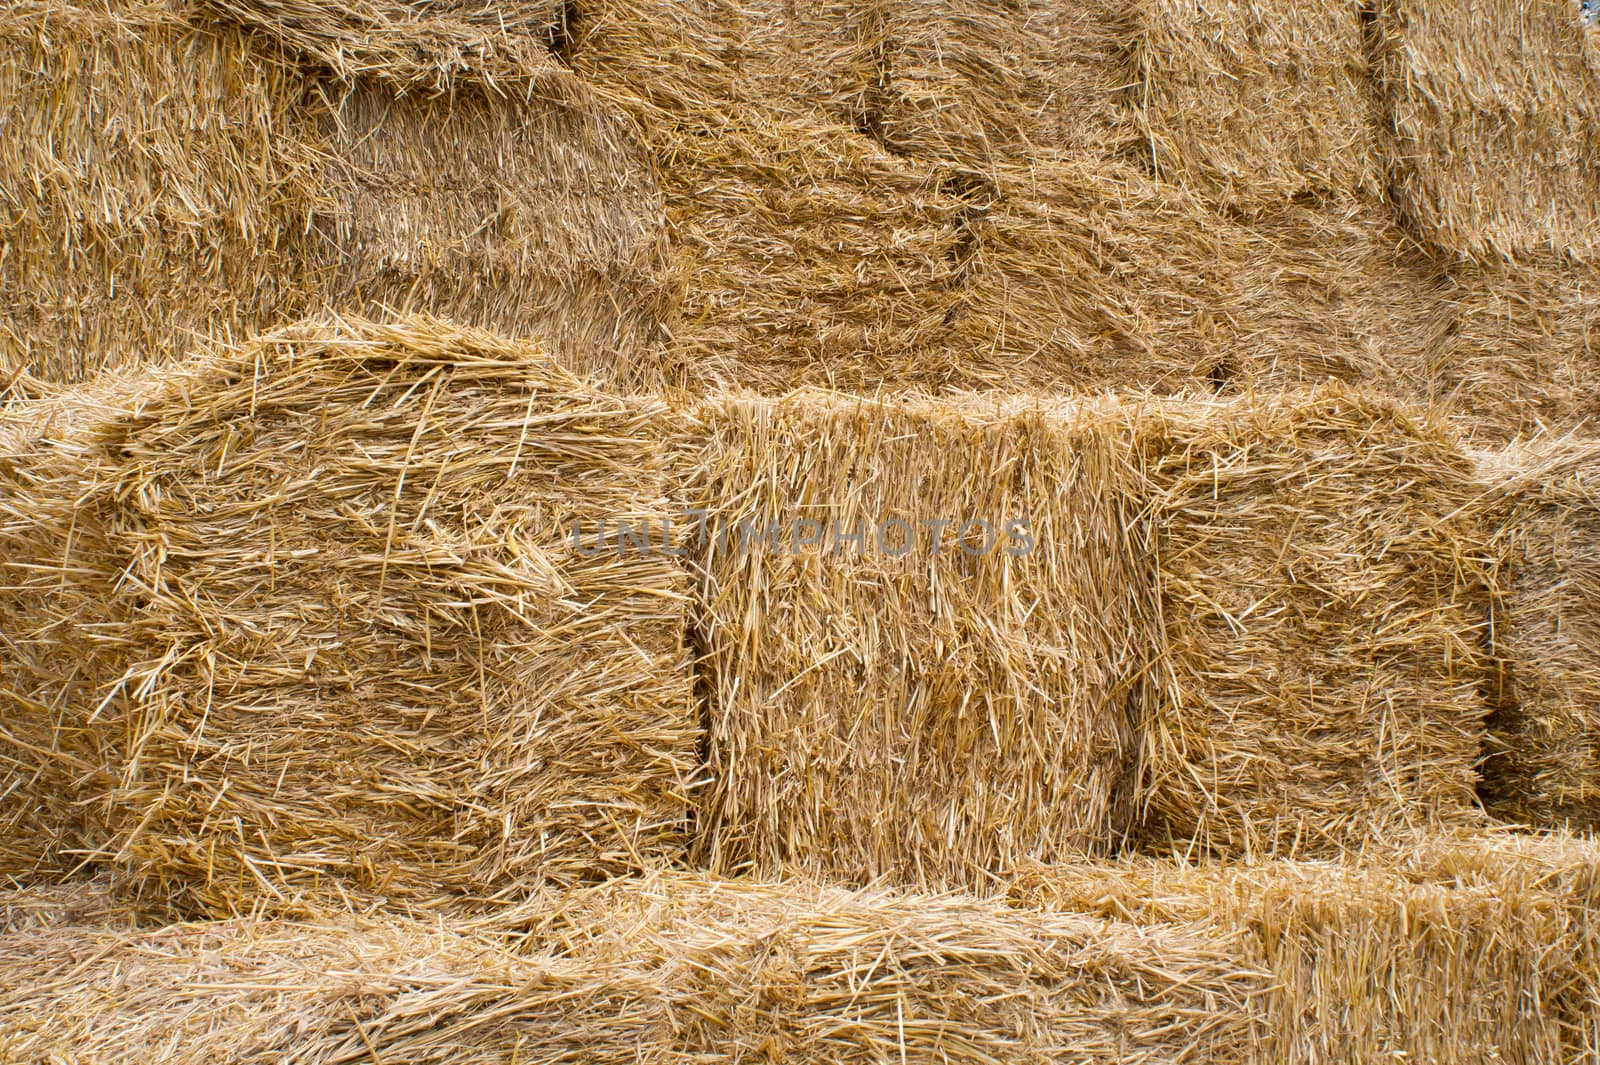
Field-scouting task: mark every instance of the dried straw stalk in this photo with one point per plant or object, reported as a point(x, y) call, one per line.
point(1457, 950)
point(1325, 604)
point(936, 703)
point(307, 617)
point(1546, 501)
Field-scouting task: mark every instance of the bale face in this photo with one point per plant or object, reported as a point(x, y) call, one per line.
point(990, 84)
point(804, 972)
point(330, 989)
point(158, 179)
point(416, 46)
point(199, 181)
point(894, 696)
point(1547, 501)
point(1256, 102)
point(1449, 951)
point(1521, 353)
point(309, 617)
point(1325, 605)
point(1496, 124)
point(530, 210)
point(680, 970)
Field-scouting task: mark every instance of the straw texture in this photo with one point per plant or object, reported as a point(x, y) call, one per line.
point(169, 177)
point(1496, 125)
point(1257, 102)
point(415, 44)
point(990, 84)
point(1519, 353)
point(308, 617)
point(673, 971)
point(893, 193)
point(530, 210)
point(1325, 607)
point(1458, 950)
point(1546, 499)
point(156, 179)
point(935, 703)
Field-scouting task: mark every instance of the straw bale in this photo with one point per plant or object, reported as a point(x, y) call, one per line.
point(1521, 353)
point(664, 971)
point(330, 989)
point(1454, 950)
point(307, 617)
point(171, 177)
point(936, 703)
point(1256, 102)
point(1546, 500)
point(424, 46)
point(805, 972)
point(1325, 606)
point(156, 180)
point(1496, 125)
point(530, 210)
point(987, 84)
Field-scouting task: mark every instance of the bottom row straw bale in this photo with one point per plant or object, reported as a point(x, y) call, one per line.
point(925, 623)
point(308, 617)
point(1461, 949)
point(1325, 608)
point(675, 969)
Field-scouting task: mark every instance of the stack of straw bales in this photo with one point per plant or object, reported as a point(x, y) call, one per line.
point(1546, 501)
point(308, 617)
point(838, 232)
point(1257, 102)
point(172, 176)
point(676, 971)
point(1459, 950)
point(935, 703)
point(1496, 122)
point(1324, 602)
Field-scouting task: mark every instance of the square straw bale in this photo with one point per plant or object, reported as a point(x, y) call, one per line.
point(1449, 950)
point(1495, 125)
point(936, 703)
point(1545, 501)
point(1325, 604)
point(308, 617)
point(1257, 103)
